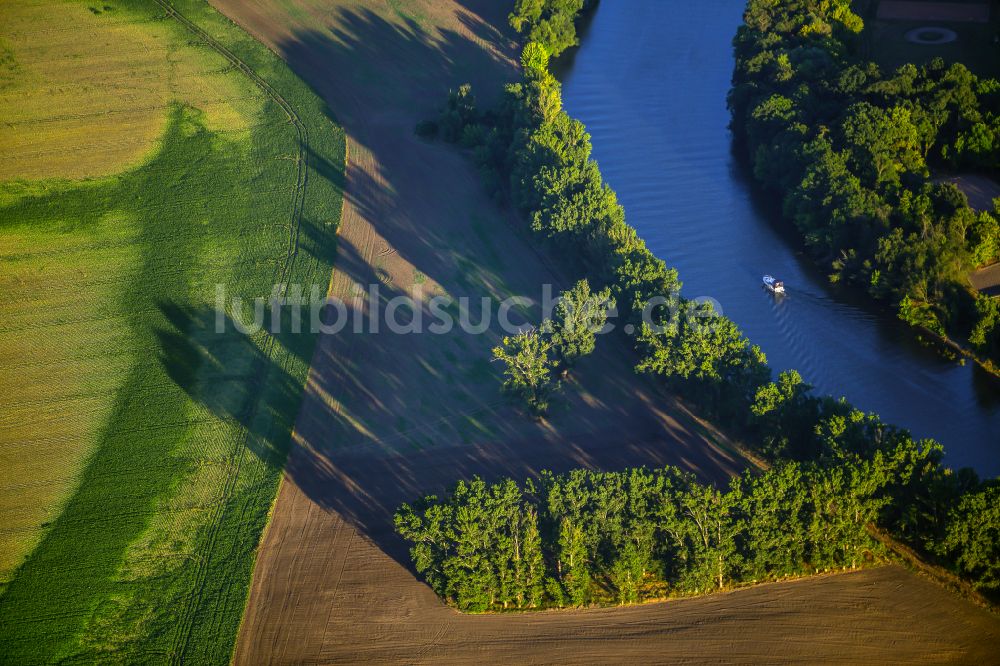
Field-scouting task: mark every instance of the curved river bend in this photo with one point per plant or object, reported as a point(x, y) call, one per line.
point(650, 82)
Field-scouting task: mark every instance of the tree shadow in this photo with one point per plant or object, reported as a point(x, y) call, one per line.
point(237, 378)
point(318, 241)
point(325, 168)
point(387, 421)
point(366, 488)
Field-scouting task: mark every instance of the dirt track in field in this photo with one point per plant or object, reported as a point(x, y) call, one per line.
point(387, 417)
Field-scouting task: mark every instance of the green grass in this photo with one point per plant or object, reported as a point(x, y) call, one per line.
point(887, 45)
point(150, 557)
point(405, 10)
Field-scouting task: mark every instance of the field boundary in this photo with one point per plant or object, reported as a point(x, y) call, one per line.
point(938, 574)
point(186, 621)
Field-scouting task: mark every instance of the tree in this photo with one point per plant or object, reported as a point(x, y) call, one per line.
point(573, 563)
point(984, 239)
point(629, 569)
point(883, 144)
point(713, 525)
point(458, 114)
point(972, 540)
point(845, 148)
point(535, 60)
point(709, 355)
point(775, 505)
point(986, 332)
point(526, 13)
point(916, 313)
point(429, 532)
point(528, 369)
point(578, 317)
point(532, 571)
point(843, 505)
point(785, 414)
point(548, 22)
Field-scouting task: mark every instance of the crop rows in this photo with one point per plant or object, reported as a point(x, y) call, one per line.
point(157, 444)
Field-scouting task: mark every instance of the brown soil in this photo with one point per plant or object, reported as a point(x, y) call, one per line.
point(387, 418)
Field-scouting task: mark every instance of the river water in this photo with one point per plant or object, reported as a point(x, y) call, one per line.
point(650, 82)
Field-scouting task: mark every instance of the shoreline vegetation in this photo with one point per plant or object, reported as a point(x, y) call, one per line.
point(587, 537)
point(851, 152)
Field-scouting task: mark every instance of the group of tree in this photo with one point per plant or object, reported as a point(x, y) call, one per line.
point(549, 22)
point(849, 149)
point(601, 537)
point(589, 537)
point(535, 360)
point(537, 158)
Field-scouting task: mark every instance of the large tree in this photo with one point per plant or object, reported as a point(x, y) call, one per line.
point(972, 539)
point(528, 369)
point(578, 317)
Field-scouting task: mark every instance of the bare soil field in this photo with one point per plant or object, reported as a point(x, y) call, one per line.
point(387, 417)
point(333, 585)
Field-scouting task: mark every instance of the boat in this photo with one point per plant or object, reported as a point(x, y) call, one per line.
point(774, 285)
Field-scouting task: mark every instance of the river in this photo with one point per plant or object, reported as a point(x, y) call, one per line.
point(650, 81)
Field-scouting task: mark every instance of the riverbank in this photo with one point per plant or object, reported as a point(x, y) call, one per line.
point(867, 208)
point(691, 200)
point(329, 583)
point(388, 417)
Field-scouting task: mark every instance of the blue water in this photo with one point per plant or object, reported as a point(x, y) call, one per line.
point(650, 82)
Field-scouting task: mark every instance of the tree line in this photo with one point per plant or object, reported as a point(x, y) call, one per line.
point(850, 150)
point(590, 537)
point(537, 158)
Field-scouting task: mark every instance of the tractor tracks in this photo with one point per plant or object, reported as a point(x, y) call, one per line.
point(185, 621)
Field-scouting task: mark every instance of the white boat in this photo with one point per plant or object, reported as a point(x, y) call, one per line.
point(776, 286)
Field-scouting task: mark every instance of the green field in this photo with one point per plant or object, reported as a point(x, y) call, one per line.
point(975, 46)
point(149, 156)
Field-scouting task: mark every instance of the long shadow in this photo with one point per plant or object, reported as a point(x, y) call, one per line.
point(403, 70)
point(233, 375)
point(315, 240)
point(325, 168)
point(366, 490)
point(383, 77)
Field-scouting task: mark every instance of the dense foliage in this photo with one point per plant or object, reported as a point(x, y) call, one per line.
point(596, 536)
point(578, 317)
point(549, 22)
point(527, 369)
point(533, 359)
point(972, 536)
point(850, 149)
point(534, 155)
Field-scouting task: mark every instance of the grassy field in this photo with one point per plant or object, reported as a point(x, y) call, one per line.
point(975, 47)
point(85, 89)
point(150, 154)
